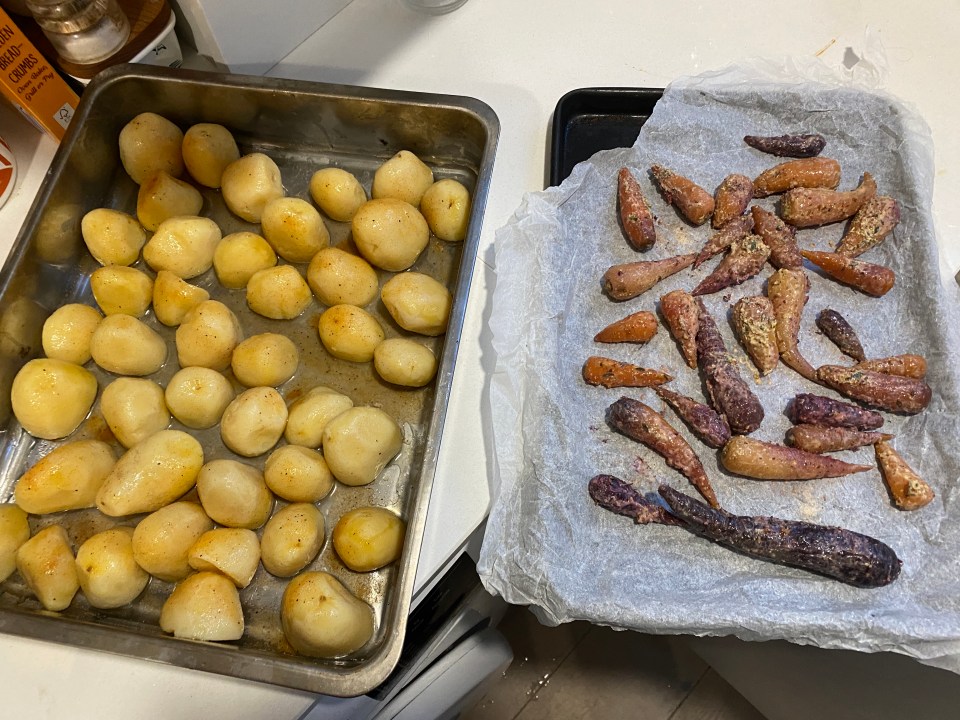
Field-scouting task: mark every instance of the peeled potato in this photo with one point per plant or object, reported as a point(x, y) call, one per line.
point(239, 256)
point(134, 409)
point(205, 606)
point(402, 361)
point(112, 237)
point(183, 245)
point(253, 422)
point(122, 290)
point(234, 494)
point(368, 538)
point(150, 143)
point(340, 278)
point(162, 196)
point(108, 574)
point(294, 228)
point(207, 336)
point(67, 478)
point(207, 150)
point(197, 396)
point(349, 333)
point(151, 474)
point(321, 618)
point(298, 474)
point(14, 532)
point(390, 233)
point(234, 552)
point(278, 293)
point(417, 302)
point(292, 538)
point(67, 333)
point(174, 297)
point(249, 183)
point(310, 413)
point(123, 345)
point(47, 565)
point(338, 193)
point(446, 207)
point(21, 328)
point(50, 398)
point(267, 359)
point(359, 442)
point(404, 177)
point(162, 540)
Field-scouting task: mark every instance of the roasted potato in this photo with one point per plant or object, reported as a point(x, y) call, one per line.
point(207, 149)
point(338, 193)
point(47, 565)
point(359, 442)
point(162, 540)
point(239, 256)
point(321, 618)
point(234, 552)
point(50, 398)
point(341, 278)
point(368, 538)
point(150, 143)
point(390, 233)
point(310, 413)
point(254, 421)
point(67, 478)
point(14, 532)
point(349, 333)
point(298, 474)
point(174, 297)
point(122, 290)
point(163, 196)
point(292, 538)
point(402, 361)
point(417, 303)
point(267, 359)
point(123, 345)
point(294, 228)
point(197, 396)
point(207, 336)
point(108, 574)
point(234, 494)
point(249, 183)
point(112, 237)
point(446, 207)
point(134, 409)
point(404, 177)
point(205, 606)
point(67, 333)
point(183, 245)
point(278, 293)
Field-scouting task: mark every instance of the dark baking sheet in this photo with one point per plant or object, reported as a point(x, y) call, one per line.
point(591, 119)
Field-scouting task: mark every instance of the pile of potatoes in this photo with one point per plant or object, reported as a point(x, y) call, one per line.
point(207, 524)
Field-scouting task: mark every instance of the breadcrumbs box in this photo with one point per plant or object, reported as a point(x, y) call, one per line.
point(30, 82)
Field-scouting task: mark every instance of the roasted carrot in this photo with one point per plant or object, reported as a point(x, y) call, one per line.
point(637, 327)
point(907, 365)
point(887, 392)
point(834, 326)
point(705, 422)
point(824, 439)
point(768, 461)
point(682, 315)
point(745, 259)
point(613, 373)
point(809, 207)
point(798, 146)
point(807, 408)
point(636, 219)
point(693, 202)
point(722, 239)
point(868, 278)
point(779, 237)
point(622, 282)
point(908, 490)
point(805, 173)
point(788, 291)
point(731, 199)
point(755, 325)
point(613, 494)
point(642, 423)
point(872, 223)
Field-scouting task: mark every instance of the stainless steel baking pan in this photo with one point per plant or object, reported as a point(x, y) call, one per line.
point(304, 126)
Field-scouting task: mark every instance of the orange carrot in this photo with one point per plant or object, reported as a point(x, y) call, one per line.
point(875, 280)
point(613, 373)
point(622, 282)
point(638, 327)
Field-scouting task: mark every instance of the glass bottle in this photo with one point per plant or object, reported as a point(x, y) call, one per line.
point(82, 31)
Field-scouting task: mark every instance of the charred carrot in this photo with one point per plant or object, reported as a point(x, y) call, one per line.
point(798, 146)
point(613, 494)
point(705, 422)
point(682, 315)
point(807, 408)
point(834, 326)
point(868, 278)
point(636, 219)
point(637, 327)
point(613, 374)
point(623, 282)
point(745, 259)
point(767, 461)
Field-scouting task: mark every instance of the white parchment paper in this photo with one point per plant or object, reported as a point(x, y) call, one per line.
point(547, 545)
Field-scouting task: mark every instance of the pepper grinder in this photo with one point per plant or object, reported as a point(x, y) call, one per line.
point(82, 31)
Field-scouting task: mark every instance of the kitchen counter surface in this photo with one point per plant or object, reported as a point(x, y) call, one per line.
point(519, 58)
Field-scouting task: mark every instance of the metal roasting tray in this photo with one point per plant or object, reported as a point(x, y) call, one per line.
point(303, 126)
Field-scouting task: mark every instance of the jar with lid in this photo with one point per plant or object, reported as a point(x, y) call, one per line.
point(82, 31)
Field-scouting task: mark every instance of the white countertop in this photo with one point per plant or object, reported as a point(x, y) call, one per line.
point(519, 58)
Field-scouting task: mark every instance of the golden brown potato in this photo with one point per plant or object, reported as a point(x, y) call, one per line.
point(122, 290)
point(249, 183)
point(207, 336)
point(183, 245)
point(67, 478)
point(298, 474)
point(162, 196)
point(402, 361)
point(294, 228)
point(174, 297)
point(47, 565)
point(253, 422)
point(292, 538)
point(390, 233)
point(239, 256)
point(162, 540)
point(404, 177)
point(134, 409)
point(321, 618)
point(368, 538)
point(338, 193)
point(267, 359)
point(205, 606)
point(341, 278)
point(310, 413)
point(67, 333)
point(359, 442)
point(349, 333)
point(207, 150)
point(50, 398)
point(446, 207)
point(123, 345)
point(149, 143)
point(14, 532)
point(278, 293)
point(417, 302)
point(197, 396)
point(151, 474)
point(234, 552)
point(108, 574)
point(112, 237)
point(234, 494)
